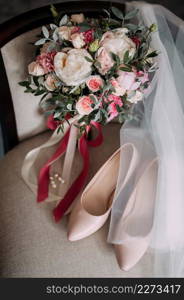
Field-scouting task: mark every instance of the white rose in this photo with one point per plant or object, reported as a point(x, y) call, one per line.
point(77, 40)
point(72, 67)
point(35, 69)
point(118, 42)
point(64, 33)
point(134, 97)
point(77, 18)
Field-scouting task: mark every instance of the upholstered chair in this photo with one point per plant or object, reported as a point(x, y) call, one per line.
point(31, 243)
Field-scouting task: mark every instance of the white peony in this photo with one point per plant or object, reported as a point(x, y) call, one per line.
point(72, 67)
point(118, 42)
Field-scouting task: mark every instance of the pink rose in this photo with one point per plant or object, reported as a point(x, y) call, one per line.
point(94, 83)
point(105, 61)
point(83, 105)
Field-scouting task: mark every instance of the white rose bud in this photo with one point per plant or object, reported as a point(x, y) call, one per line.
point(64, 33)
point(77, 18)
point(35, 69)
point(77, 40)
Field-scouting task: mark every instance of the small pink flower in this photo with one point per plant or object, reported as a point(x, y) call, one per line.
point(75, 29)
point(88, 36)
point(46, 60)
point(94, 83)
point(112, 109)
point(83, 105)
point(115, 99)
point(112, 112)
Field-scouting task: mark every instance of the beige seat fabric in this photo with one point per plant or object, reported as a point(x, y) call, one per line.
point(31, 244)
point(28, 118)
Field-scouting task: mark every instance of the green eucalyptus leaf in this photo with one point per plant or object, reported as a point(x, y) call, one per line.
point(117, 12)
point(126, 69)
point(24, 83)
point(40, 42)
point(107, 12)
point(55, 35)
point(131, 14)
point(152, 54)
point(63, 20)
point(88, 59)
point(39, 92)
point(84, 27)
point(126, 57)
point(45, 32)
point(53, 26)
point(132, 27)
point(35, 80)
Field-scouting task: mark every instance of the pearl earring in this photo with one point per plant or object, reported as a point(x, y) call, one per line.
point(57, 178)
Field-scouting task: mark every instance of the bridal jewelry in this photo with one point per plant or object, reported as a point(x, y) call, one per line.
point(55, 179)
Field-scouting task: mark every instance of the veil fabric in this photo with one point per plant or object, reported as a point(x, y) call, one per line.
point(158, 131)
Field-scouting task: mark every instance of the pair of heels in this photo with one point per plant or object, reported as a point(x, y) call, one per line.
point(91, 212)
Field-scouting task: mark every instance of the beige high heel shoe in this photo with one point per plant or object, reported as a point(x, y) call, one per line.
point(139, 207)
point(92, 211)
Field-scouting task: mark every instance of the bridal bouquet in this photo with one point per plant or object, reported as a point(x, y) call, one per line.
point(88, 71)
point(94, 68)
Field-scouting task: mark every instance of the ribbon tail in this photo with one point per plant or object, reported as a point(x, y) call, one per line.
point(43, 178)
point(76, 187)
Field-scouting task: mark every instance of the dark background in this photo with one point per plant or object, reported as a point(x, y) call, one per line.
point(10, 8)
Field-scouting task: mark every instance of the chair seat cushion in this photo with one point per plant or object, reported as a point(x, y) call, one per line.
point(31, 244)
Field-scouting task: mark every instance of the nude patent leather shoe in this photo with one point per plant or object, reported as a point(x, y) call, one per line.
point(139, 207)
point(93, 209)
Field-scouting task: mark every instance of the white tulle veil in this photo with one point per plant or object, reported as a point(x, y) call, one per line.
point(159, 131)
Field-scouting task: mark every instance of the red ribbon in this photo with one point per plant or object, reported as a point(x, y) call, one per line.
point(76, 187)
point(74, 190)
